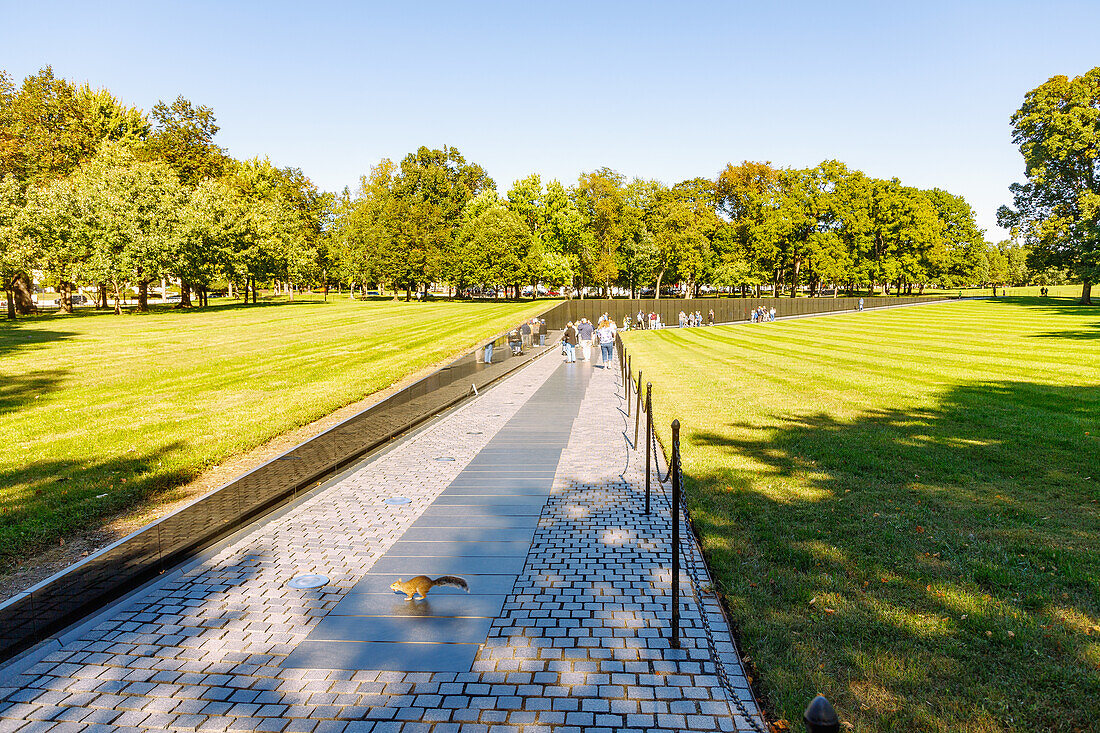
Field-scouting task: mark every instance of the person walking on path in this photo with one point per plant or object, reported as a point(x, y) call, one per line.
point(771, 314)
point(525, 333)
point(542, 331)
point(569, 343)
point(584, 332)
point(606, 335)
point(861, 305)
point(710, 317)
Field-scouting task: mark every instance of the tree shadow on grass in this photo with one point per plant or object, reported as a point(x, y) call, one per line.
point(936, 569)
point(18, 390)
point(45, 500)
point(17, 337)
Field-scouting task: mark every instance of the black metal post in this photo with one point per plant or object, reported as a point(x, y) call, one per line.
point(674, 470)
point(638, 409)
point(648, 438)
point(820, 717)
point(628, 382)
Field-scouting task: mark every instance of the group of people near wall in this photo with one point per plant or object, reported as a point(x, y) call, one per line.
point(584, 335)
point(762, 314)
point(691, 320)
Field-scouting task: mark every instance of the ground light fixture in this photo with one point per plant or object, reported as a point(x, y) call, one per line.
point(306, 581)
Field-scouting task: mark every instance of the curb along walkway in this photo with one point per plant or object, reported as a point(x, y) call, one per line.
point(565, 627)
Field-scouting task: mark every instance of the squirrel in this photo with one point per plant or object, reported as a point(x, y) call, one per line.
point(422, 584)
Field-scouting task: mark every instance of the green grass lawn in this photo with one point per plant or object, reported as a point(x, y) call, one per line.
point(901, 507)
point(98, 412)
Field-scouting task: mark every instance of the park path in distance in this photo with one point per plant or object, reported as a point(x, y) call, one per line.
point(580, 640)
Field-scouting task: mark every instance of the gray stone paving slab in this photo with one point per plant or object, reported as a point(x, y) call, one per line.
point(467, 534)
point(397, 657)
point(417, 548)
point(499, 490)
point(462, 629)
point(436, 604)
point(470, 519)
point(434, 566)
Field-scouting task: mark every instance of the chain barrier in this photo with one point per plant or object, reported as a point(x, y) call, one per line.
point(692, 562)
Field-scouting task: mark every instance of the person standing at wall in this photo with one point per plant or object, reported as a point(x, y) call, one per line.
point(585, 332)
point(606, 335)
point(525, 334)
point(569, 343)
point(542, 332)
point(710, 317)
point(861, 305)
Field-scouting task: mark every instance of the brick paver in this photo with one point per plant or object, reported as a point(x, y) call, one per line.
point(580, 645)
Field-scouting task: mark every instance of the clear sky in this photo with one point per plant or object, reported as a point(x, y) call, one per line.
point(918, 90)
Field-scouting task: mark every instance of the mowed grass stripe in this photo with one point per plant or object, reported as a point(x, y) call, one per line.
point(902, 508)
point(98, 413)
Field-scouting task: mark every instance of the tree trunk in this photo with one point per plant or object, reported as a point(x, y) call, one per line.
point(11, 303)
point(229, 292)
point(101, 297)
point(1086, 293)
point(66, 299)
point(185, 294)
point(253, 291)
point(143, 296)
point(290, 291)
point(21, 290)
point(657, 290)
point(118, 297)
point(408, 293)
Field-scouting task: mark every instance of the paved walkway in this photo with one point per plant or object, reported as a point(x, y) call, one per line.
point(565, 627)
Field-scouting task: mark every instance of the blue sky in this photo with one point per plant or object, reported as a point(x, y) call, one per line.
point(922, 90)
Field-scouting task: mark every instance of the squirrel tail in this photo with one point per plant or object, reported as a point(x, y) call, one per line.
point(451, 580)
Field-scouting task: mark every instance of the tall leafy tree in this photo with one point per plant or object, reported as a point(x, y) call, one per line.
point(1057, 211)
point(126, 215)
point(183, 137)
point(18, 253)
point(430, 192)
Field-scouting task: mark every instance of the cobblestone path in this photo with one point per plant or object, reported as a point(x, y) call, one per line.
point(580, 644)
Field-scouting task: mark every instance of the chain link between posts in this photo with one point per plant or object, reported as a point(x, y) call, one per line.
point(693, 577)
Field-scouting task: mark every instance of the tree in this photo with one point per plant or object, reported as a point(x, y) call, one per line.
point(494, 243)
point(430, 192)
point(962, 239)
point(599, 197)
point(1057, 211)
point(124, 214)
point(17, 251)
point(183, 137)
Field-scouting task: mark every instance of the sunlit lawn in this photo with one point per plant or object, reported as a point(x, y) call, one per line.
point(901, 507)
point(100, 411)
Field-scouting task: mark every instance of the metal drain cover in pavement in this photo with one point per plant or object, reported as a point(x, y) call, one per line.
point(445, 458)
point(308, 580)
point(397, 500)
point(473, 432)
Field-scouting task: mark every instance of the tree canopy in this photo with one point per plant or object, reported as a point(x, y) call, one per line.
point(1057, 210)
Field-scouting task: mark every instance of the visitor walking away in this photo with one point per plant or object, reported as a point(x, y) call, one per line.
point(542, 331)
point(585, 332)
point(771, 314)
point(861, 305)
point(569, 343)
point(606, 335)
